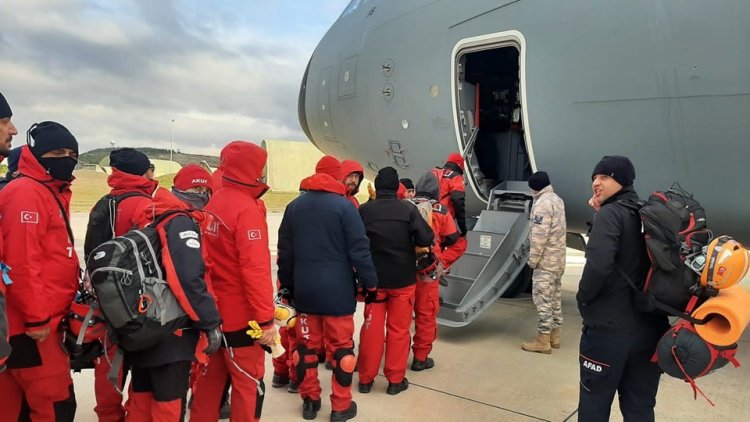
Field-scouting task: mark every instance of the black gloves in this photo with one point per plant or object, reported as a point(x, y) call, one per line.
point(214, 341)
point(370, 295)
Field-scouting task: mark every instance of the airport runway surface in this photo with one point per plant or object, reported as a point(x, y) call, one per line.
point(481, 373)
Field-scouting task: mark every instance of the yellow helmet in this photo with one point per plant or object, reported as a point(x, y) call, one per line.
point(726, 263)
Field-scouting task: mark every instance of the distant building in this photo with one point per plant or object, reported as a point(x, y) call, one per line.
point(288, 163)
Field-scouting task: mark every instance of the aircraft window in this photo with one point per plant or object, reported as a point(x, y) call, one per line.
point(354, 5)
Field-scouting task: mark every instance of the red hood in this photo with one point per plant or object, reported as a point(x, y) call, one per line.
point(325, 183)
point(304, 185)
point(29, 166)
point(401, 193)
point(242, 163)
point(164, 201)
point(216, 177)
point(122, 182)
point(351, 166)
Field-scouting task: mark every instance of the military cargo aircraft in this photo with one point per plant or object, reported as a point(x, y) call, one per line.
point(518, 86)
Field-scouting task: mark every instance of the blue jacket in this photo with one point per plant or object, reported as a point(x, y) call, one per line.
point(322, 243)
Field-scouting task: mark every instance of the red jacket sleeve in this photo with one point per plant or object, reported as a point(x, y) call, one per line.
point(24, 224)
point(251, 240)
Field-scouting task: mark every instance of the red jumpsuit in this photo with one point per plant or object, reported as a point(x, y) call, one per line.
point(241, 279)
point(452, 197)
point(427, 298)
point(45, 279)
point(108, 400)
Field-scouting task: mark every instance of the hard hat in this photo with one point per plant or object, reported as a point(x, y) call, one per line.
point(95, 328)
point(726, 263)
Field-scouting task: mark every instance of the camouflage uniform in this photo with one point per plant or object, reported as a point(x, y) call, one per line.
point(547, 257)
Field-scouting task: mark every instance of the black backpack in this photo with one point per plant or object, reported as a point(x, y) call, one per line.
point(674, 227)
point(133, 289)
point(101, 226)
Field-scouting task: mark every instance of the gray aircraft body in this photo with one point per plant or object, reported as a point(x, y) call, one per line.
point(526, 85)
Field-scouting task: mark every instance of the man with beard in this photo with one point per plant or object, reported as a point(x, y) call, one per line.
point(354, 174)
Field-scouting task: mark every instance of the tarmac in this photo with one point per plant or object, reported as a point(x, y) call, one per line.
point(481, 373)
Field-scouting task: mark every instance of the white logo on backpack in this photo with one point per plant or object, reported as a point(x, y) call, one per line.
point(193, 243)
point(188, 234)
point(99, 255)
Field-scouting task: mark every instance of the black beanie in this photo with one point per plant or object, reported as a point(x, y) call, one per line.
point(617, 167)
point(48, 136)
point(5, 110)
point(387, 179)
point(408, 184)
point(539, 180)
point(130, 161)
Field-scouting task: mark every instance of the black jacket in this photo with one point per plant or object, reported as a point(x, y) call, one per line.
point(394, 228)
point(182, 234)
point(616, 244)
point(322, 243)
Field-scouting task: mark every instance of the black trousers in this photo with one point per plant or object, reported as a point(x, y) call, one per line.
point(618, 361)
point(167, 382)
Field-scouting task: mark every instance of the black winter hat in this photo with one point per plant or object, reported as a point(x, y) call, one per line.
point(617, 167)
point(5, 110)
point(539, 180)
point(408, 184)
point(130, 161)
point(48, 136)
point(387, 179)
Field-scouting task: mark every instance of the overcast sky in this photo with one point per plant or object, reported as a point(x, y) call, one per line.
point(122, 70)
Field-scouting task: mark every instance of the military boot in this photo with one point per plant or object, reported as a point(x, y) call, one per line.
point(540, 344)
point(554, 338)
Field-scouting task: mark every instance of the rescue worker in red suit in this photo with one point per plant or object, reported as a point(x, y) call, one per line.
point(45, 272)
point(7, 132)
point(354, 174)
point(160, 375)
point(131, 183)
point(241, 278)
point(322, 248)
point(427, 299)
point(394, 228)
point(452, 195)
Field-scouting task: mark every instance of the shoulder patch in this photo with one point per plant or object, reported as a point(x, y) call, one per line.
point(188, 234)
point(29, 217)
point(193, 243)
point(254, 235)
point(538, 219)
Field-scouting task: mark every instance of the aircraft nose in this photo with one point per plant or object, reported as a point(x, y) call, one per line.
point(301, 112)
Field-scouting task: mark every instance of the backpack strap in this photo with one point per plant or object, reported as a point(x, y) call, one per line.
point(688, 379)
point(114, 370)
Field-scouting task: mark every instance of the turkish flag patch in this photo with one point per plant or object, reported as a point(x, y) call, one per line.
point(254, 235)
point(30, 217)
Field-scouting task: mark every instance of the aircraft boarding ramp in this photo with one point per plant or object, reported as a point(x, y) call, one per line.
point(498, 249)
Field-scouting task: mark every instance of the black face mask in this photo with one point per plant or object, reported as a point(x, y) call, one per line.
point(194, 199)
point(60, 168)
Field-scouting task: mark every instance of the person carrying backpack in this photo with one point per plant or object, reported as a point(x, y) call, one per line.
point(427, 296)
point(160, 374)
point(114, 215)
point(617, 340)
point(45, 274)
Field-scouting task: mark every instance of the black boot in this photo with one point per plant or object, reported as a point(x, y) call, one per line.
point(345, 415)
point(394, 389)
point(365, 388)
point(293, 387)
point(421, 365)
point(279, 381)
point(310, 409)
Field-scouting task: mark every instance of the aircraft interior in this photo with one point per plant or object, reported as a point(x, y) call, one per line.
point(491, 82)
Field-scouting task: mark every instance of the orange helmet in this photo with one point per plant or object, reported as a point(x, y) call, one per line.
point(726, 263)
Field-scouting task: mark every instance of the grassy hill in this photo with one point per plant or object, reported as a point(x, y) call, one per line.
point(95, 156)
point(89, 186)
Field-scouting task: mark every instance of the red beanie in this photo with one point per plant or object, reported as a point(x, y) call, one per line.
point(192, 176)
point(331, 166)
point(456, 159)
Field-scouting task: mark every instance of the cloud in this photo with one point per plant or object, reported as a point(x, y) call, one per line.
point(123, 70)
